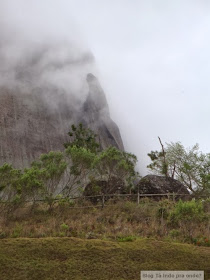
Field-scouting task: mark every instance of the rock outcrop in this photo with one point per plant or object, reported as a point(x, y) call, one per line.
point(153, 184)
point(96, 189)
point(32, 123)
point(96, 116)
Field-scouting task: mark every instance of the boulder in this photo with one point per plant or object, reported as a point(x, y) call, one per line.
point(97, 189)
point(153, 184)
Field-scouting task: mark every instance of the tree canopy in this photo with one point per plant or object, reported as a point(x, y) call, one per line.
point(189, 166)
point(67, 173)
point(82, 137)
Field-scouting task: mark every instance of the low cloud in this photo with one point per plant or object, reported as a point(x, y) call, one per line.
point(36, 53)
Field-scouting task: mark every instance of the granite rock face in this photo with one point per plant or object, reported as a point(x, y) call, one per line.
point(97, 117)
point(32, 123)
point(153, 184)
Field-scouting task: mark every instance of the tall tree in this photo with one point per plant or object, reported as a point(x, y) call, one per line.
point(82, 137)
point(10, 186)
point(51, 168)
point(190, 166)
point(79, 169)
point(116, 167)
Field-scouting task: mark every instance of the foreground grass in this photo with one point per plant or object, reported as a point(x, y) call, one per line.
point(73, 258)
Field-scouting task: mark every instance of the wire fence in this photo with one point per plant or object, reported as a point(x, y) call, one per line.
point(103, 200)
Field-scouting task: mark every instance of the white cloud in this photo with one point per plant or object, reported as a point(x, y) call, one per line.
point(153, 58)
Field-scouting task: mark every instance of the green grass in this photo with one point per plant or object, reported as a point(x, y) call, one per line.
point(77, 259)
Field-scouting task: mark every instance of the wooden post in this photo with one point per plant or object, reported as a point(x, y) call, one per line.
point(162, 221)
point(173, 197)
point(103, 201)
point(138, 197)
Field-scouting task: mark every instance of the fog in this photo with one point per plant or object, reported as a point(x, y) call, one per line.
point(152, 60)
point(37, 51)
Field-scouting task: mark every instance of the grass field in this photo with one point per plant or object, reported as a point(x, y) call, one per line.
point(80, 259)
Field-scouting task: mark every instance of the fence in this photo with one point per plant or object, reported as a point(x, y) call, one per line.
point(100, 201)
point(134, 197)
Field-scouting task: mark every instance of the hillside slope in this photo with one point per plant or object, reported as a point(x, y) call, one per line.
point(71, 258)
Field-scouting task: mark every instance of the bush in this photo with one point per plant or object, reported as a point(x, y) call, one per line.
point(187, 211)
point(64, 227)
point(126, 238)
point(174, 233)
point(17, 231)
point(206, 205)
point(187, 215)
point(164, 208)
point(2, 235)
point(201, 241)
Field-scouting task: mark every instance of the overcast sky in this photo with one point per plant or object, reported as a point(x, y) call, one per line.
point(153, 58)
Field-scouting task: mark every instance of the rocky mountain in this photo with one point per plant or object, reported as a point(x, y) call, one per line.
point(32, 123)
point(96, 115)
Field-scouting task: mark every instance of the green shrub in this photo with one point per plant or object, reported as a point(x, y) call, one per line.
point(17, 231)
point(174, 233)
point(64, 227)
point(2, 235)
point(163, 208)
point(187, 211)
point(206, 205)
point(188, 215)
point(126, 238)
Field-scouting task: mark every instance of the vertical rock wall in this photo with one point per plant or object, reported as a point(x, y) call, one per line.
point(32, 124)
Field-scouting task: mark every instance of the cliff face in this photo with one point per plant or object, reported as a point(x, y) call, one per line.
point(38, 122)
point(96, 116)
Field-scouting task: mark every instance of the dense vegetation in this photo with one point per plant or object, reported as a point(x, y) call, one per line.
point(59, 175)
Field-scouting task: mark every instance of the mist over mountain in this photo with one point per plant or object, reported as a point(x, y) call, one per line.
point(152, 61)
point(45, 87)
